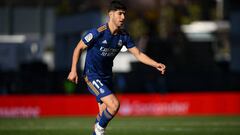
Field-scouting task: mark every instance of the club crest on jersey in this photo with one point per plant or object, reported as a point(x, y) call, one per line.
point(102, 90)
point(120, 43)
point(88, 37)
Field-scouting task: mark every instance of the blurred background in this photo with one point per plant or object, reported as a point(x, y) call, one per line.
point(199, 41)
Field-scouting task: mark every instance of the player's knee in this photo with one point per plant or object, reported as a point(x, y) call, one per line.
point(117, 106)
point(114, 107)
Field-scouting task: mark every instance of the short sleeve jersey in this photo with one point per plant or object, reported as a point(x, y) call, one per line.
point(103, 47)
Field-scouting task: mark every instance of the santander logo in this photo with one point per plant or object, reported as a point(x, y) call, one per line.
point(153, 108)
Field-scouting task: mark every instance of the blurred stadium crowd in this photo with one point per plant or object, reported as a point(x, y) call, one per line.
point(37, 38)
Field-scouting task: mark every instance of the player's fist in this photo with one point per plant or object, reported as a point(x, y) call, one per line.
point(161, 67)
point(73, 77)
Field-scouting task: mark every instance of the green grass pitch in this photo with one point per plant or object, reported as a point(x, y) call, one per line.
point(177, 125)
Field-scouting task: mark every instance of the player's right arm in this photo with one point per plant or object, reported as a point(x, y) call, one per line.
point(81, 46)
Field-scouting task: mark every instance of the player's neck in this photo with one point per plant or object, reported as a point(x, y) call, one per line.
point(113, 28)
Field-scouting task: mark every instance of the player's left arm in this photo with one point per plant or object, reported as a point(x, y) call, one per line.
point(147, 60)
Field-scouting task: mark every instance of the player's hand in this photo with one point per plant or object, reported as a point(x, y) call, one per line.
point(73, 77)
point(161, 67)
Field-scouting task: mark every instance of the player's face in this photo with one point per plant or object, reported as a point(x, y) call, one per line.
point(117, 17)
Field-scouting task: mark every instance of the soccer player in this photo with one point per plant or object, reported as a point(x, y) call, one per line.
point(103, 44)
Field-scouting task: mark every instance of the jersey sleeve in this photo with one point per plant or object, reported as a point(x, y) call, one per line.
point(129, 42)
point(90, 37)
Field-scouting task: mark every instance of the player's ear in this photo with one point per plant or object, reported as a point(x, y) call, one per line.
point(110, 13)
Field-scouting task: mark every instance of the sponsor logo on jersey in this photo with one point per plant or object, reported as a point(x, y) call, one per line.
point(108, 51)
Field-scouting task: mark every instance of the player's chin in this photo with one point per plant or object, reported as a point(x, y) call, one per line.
point(120, 24)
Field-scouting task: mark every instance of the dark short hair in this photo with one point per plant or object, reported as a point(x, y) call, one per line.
point(116, 5)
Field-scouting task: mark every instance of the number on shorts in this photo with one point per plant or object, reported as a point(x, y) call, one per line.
point(96, 83)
